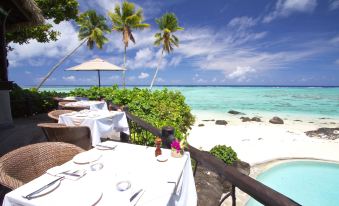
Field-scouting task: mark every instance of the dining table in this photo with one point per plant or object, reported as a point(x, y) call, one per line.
point(100, 122)
point(114, 173)
point(91, 105)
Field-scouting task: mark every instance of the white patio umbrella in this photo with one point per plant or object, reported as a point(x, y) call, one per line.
point(96, 65)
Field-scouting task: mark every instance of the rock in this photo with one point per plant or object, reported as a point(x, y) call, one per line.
point(256, 119)
point(297, 120)
point(276, 120)
point(235, 112)
point(245, 119)
point(210, 186)
point(324, 133)
point(201, 125)
point(207, 120)
point(260, 138)
point(221, 122)
point(311, 122)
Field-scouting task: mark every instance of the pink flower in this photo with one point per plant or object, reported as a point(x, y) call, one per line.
point(176, 145)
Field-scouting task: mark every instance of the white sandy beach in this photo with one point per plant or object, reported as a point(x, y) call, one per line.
point(259, 142)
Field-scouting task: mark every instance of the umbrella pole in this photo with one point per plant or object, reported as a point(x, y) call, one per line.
point(99, 78)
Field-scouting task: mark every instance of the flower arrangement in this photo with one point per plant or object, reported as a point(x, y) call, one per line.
point(177, 147)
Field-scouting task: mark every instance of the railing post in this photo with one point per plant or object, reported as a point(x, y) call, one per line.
point(233, 196)
point(167, 136)
point(123, 136)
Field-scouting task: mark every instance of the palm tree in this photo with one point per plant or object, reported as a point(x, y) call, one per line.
point(92, 30)
point(168, 24)
point(124, 20)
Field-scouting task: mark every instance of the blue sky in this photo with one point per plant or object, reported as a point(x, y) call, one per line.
point(234, 42)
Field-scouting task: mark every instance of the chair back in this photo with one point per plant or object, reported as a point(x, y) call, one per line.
point(78, 135)
point(54, 115)
point(29, 162)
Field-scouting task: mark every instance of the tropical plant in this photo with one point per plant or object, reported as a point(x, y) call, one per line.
point(226, 154)
point(168, 24)
point(92, 30)
point(124, 20)
point(159, 108)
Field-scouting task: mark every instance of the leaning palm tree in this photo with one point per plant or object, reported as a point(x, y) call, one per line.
point(92, 30)
point(168, 24)
point(125, 19)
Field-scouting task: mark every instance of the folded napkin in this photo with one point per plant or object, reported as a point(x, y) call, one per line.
point(66, 171)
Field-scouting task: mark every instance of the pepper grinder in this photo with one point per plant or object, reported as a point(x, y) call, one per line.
point(158, 144)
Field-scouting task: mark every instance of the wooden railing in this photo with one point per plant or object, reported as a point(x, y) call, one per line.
point(252, 187)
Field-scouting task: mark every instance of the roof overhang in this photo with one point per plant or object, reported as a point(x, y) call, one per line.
point(20, 14)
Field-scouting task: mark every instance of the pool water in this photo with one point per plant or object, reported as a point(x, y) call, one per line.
point(306, 182)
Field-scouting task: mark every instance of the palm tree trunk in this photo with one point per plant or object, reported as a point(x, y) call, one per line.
point(59, 63)
point(156, 71)
point(124, 72)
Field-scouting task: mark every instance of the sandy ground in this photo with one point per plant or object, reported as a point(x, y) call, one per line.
point(259, 142)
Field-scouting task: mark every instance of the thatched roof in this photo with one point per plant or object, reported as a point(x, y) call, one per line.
point(21, 13)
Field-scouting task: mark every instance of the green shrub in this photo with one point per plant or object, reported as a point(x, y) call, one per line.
point(159, 107)
point(29, 101)
point(226, 154)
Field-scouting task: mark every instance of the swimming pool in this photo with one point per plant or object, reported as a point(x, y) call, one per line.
point(306, 182)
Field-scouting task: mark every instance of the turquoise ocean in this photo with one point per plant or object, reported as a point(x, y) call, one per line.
point(318, 102)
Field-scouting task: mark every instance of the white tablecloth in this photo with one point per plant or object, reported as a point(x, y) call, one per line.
point(101, 123)
point(93, 105)
point(134, 163)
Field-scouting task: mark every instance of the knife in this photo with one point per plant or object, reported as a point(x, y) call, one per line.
point(71, 174)
point(29, 196)
point(135, 195)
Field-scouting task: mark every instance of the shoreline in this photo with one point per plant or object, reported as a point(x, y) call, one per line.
point(259, 142)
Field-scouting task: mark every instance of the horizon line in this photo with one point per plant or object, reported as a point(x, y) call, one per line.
point(189, 85)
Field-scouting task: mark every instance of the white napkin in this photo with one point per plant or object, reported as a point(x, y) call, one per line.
point(57, 171)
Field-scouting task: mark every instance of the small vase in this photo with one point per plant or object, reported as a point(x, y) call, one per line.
point(176, 154)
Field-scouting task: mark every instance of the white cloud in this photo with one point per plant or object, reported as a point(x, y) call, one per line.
point(175, 61)
point(337, 61)
point(335, 40)
point(35, 53)
point(160, 80)
point(334, 4)
point(149, 58)
point(28, 72)
point(243, 22)
point(70, 78)
point(237, 54)
point(143, 75)
point(240, 72)
point(284, 8)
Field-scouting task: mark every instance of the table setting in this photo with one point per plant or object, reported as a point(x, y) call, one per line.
point(92, 105)
point(122, 174)
point(101, 123)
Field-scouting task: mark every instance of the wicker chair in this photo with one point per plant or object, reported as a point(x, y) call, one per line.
point(62, 105)
point(56, 113)
point(78, 135)
point(29, 162)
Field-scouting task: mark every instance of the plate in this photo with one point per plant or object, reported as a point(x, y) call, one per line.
point(162, 158)
point(47, 190)
point(86, 157)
